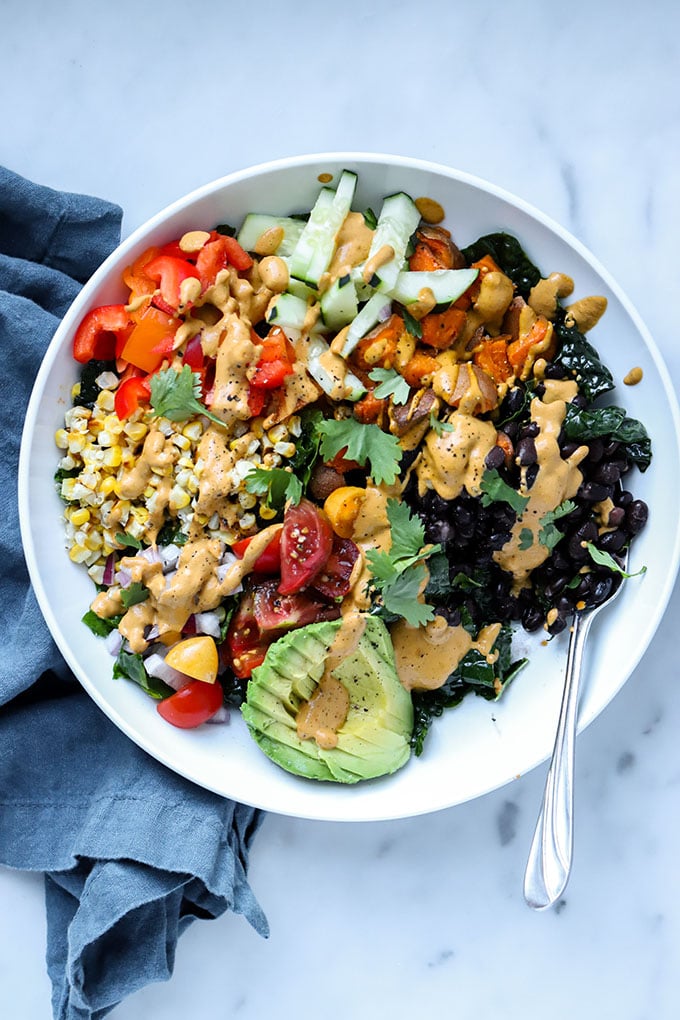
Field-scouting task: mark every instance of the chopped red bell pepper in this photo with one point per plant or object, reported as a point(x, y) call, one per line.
point(129, 395)
point(269, 561)
point(96, 335)
point(257, 397)
point(170, 273)
point(218, 253)
point(276, 360)
point(193, 354)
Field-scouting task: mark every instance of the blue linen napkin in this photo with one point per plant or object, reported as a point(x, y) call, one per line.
point(132, 853)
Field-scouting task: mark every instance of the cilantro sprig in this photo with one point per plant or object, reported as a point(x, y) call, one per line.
point(366, 444)
point(134, 594)
point(605, 559)
point(399, 575)
point(277, 485)
point(175, 395)
point(439, 427)
point(495, 490)
point(392, 384)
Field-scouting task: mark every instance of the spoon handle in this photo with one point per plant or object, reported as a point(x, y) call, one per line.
point(550, 855)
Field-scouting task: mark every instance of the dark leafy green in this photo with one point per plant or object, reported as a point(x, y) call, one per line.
point(508, 254)
point(581, 360)
point(130, 666)
point(307, 445)
point(473, 674)
point(89, 391)
point(171, 534)
point(99, 626)
point(582, 424)
point(59, 477)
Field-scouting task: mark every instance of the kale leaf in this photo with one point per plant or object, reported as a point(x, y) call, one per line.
point(582, 424)
point(581, 360)
point(130, 666)
point(89, 391)
point(508, 254)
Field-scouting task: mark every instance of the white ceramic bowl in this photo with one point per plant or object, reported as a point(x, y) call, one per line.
point(479, 745)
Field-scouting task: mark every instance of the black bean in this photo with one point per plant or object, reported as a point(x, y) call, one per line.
point(601, 590)
point(566, 449)
point(593, 492)
point(495, 458)
point(531, 475)
point(637, 513)
point(514, 401)
point(612, 541)
point(624, 498)
point(595, 450)
point(616, 516)
point(553, 371)
point(529, 431)
point(580, 401)
point(611, 447)
point(558, 625)
point(555, 586)
point(511, 429)
point(532, 618)
point(607, 473)
point(439, 531)
point(526, 452)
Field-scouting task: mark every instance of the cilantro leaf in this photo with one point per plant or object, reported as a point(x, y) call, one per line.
point(276, 484)
point(134, 594)
point(174, 395)
point(495, 490)
point(400, 596)
point(412, 325)
point(130, 666)
point(99, 625)
point(605, 559)
point(362, 443)
point(123, 538)
point(526, 539)
point(439, 427)
point(408, 532)
point(391, 385)
point(549, 535)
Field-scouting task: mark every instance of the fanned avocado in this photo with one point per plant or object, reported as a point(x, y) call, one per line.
point(374, 739)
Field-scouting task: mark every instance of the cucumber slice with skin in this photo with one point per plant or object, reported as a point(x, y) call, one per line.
point(288, 310)
point(354, 388)
point(396, 224)
point(447, 285)
point(314, 250)
point(339, 304)
point(256, 224)
point(372, 313)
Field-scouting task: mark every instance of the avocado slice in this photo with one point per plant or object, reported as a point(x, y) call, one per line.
point(374, 739)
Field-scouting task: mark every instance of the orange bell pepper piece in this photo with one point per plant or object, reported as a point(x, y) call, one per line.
point(150, 342)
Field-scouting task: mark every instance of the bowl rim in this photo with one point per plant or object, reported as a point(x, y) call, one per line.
point(80, 304)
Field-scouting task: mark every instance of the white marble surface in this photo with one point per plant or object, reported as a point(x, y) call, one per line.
point(576, 109)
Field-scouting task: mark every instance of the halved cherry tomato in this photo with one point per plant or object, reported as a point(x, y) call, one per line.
point(276, 612)
point(170, 273)
point(269, 561)
point(96, 334)
point(244, 647)
point(333, 580)
point(306, 543)
point(143, 346)
point(129, 395)
point(192, 704)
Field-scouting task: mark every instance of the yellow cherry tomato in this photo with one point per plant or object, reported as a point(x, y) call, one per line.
point(195, 656)
point(342, 508)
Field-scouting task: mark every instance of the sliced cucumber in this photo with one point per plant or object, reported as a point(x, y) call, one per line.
point(447, 285)
point(256, 224)
point(339, 304)
point(398, 220)
point(314, 250)
point(354, 388)
point(288, 310)
point(368, 317)
point(301, 290)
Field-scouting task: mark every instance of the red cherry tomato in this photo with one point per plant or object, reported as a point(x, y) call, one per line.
point(96, 335)
point(244, 647)
point(276, 612)
point(129, 395)
point(192, 704)
point(306, 544)
point(269, 561)
point(333, 580)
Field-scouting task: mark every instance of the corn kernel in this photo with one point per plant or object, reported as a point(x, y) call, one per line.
point(193, 431)
point(247, 500)
point(267, 512)
point(61, 439)
point(178, 498)
point(93, 542)
point(78, 553)
point(105, 400)
point(285, 449)
point(140, 513)
point(113, 457)
point(136, 430)
point(181, 442)
point(76, 443)
point(108, 485)
point(278, 432)
point(79, 517)
point(247, 521)
point(75, 391)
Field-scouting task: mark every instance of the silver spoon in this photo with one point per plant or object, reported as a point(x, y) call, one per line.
point(549, 863)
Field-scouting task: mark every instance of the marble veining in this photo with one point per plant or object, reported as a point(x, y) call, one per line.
point(575, 109)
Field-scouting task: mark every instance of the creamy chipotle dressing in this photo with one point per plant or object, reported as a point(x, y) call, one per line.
point(426, 656)
point(454, 460)
point(322, 716)
point(557, 479)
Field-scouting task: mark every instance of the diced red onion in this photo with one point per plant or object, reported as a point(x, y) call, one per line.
point(150, 554)
point(114, 642)
point(109, 570)
point(385, 312)
point(152, 633)
point(123, 578)
point(155, 665)
point(190, 626)
point(220, 716)
point(169, 554)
